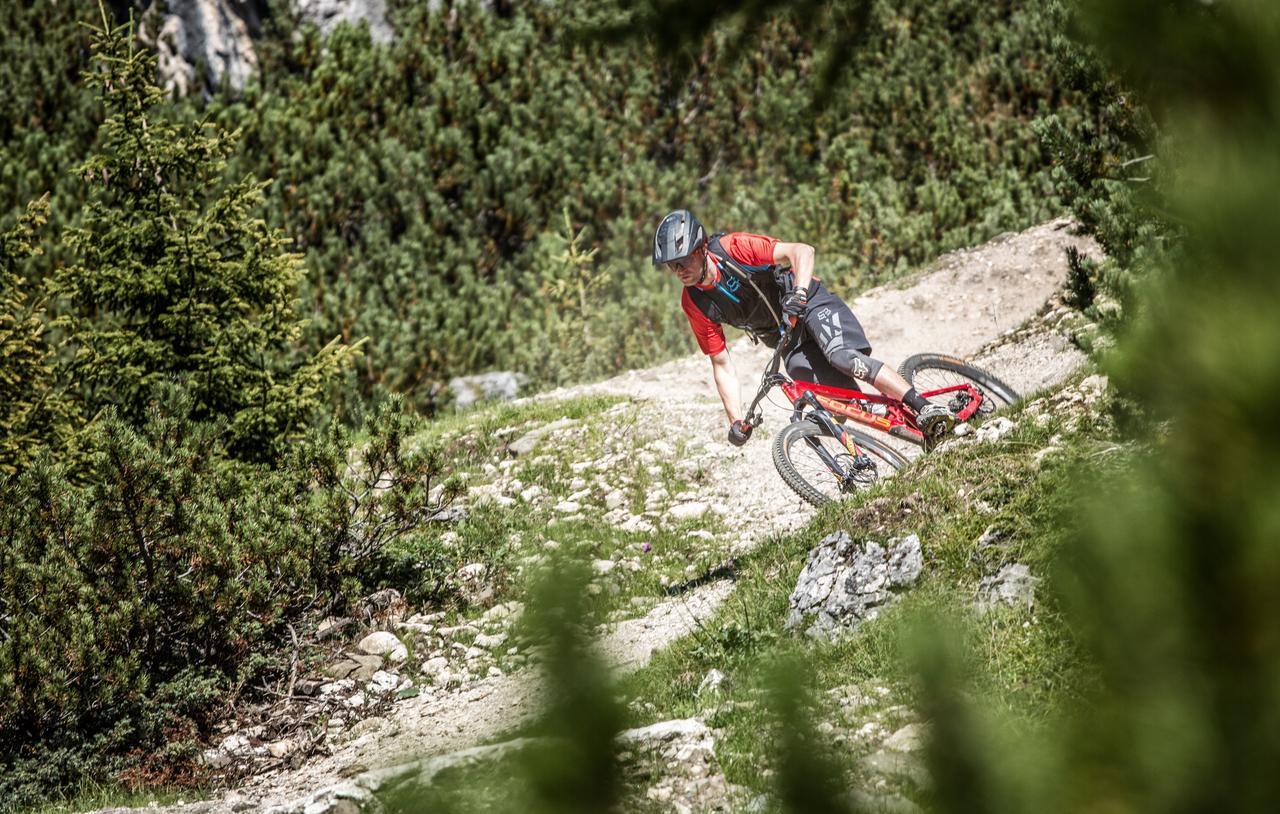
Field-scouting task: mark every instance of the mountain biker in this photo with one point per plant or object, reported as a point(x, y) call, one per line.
point(754, 282)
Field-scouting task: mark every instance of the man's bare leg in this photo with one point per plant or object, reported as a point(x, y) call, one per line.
point(934, 419)
point(889, 382)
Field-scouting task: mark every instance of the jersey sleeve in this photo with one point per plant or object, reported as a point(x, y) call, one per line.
point(748, 249)
point(710, 336)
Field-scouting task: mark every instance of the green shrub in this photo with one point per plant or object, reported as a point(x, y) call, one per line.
point(426, 182)
point(34, 414)
point(132, 602)
point(176, 279)
point(370, 488)
point(142, 600)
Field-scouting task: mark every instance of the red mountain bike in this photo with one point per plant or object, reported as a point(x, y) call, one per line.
point(823, 460)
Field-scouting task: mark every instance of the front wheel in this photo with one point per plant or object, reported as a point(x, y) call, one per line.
point(930, 373)
point(820, 469)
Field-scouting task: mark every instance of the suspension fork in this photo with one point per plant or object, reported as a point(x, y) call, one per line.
point(819, 415)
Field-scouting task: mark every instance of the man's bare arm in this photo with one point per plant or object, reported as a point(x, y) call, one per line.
point(726, 377)
point(800, 257)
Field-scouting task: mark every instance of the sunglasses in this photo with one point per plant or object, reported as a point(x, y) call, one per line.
point(690, 262)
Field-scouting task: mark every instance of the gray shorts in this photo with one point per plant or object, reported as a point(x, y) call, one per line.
point(834, 349)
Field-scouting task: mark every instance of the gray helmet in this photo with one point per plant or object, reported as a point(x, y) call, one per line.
point(678, 236)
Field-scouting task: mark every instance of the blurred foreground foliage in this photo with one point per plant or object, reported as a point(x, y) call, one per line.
point(566, 761)
point(1170, 578)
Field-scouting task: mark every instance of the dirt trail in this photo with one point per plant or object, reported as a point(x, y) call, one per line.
point(969, 303)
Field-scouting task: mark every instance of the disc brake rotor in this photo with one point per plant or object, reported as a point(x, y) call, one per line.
point(859, 472)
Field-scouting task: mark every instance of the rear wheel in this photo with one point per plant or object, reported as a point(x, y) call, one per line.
point(930, 372)
point(820, 469)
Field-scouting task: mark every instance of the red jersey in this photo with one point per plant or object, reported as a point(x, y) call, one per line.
point(747, 249)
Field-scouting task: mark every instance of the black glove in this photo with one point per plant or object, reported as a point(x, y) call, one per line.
point(796, 303)
point(739, 432)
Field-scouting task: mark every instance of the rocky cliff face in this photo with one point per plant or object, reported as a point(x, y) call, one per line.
point(326, 14)
point(203, 44)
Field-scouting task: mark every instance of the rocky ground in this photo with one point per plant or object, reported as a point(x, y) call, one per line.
point(406, 684)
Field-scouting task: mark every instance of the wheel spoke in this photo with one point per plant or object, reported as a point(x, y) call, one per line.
point(813, 469)
point(929, 379)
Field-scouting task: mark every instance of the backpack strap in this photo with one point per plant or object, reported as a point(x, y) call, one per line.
point(740, 271)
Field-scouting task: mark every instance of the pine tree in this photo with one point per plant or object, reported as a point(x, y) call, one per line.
point(33, 413)
point(176, 280)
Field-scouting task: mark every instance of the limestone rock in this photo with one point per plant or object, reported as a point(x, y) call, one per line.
point(502, 612)
point(688, 511)
point(1013, 585)
point(712, 682)
point(433, 666)
point(602, 566)
point(382, 643)
point(282, 748)
point(214, 34)
point(844, 583)
point(383, 682)
point(490, 641)
point(665, 731)
point(994, 429)
point(897, 764)
point(356, 666)
point(496, 385)
point(529, 441)
point(907, 739)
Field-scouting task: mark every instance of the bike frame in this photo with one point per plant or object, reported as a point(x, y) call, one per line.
point(879, 412)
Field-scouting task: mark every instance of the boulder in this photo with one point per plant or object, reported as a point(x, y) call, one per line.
point(382, 643)
point(603, 566)
point(995, 429)
point(529, 441)
point(845, 583)
point(434, 665)
point(1013, 585)
point(383, 682)
point(712, 683)
point(688, 511)
point(490, 641)
point(496, 385)
point(356, 666)
point(664, 731)
point(909, 738)
point(504, 611)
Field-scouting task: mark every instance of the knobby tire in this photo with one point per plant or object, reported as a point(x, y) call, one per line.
point(791, 440)
point(917, 371)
